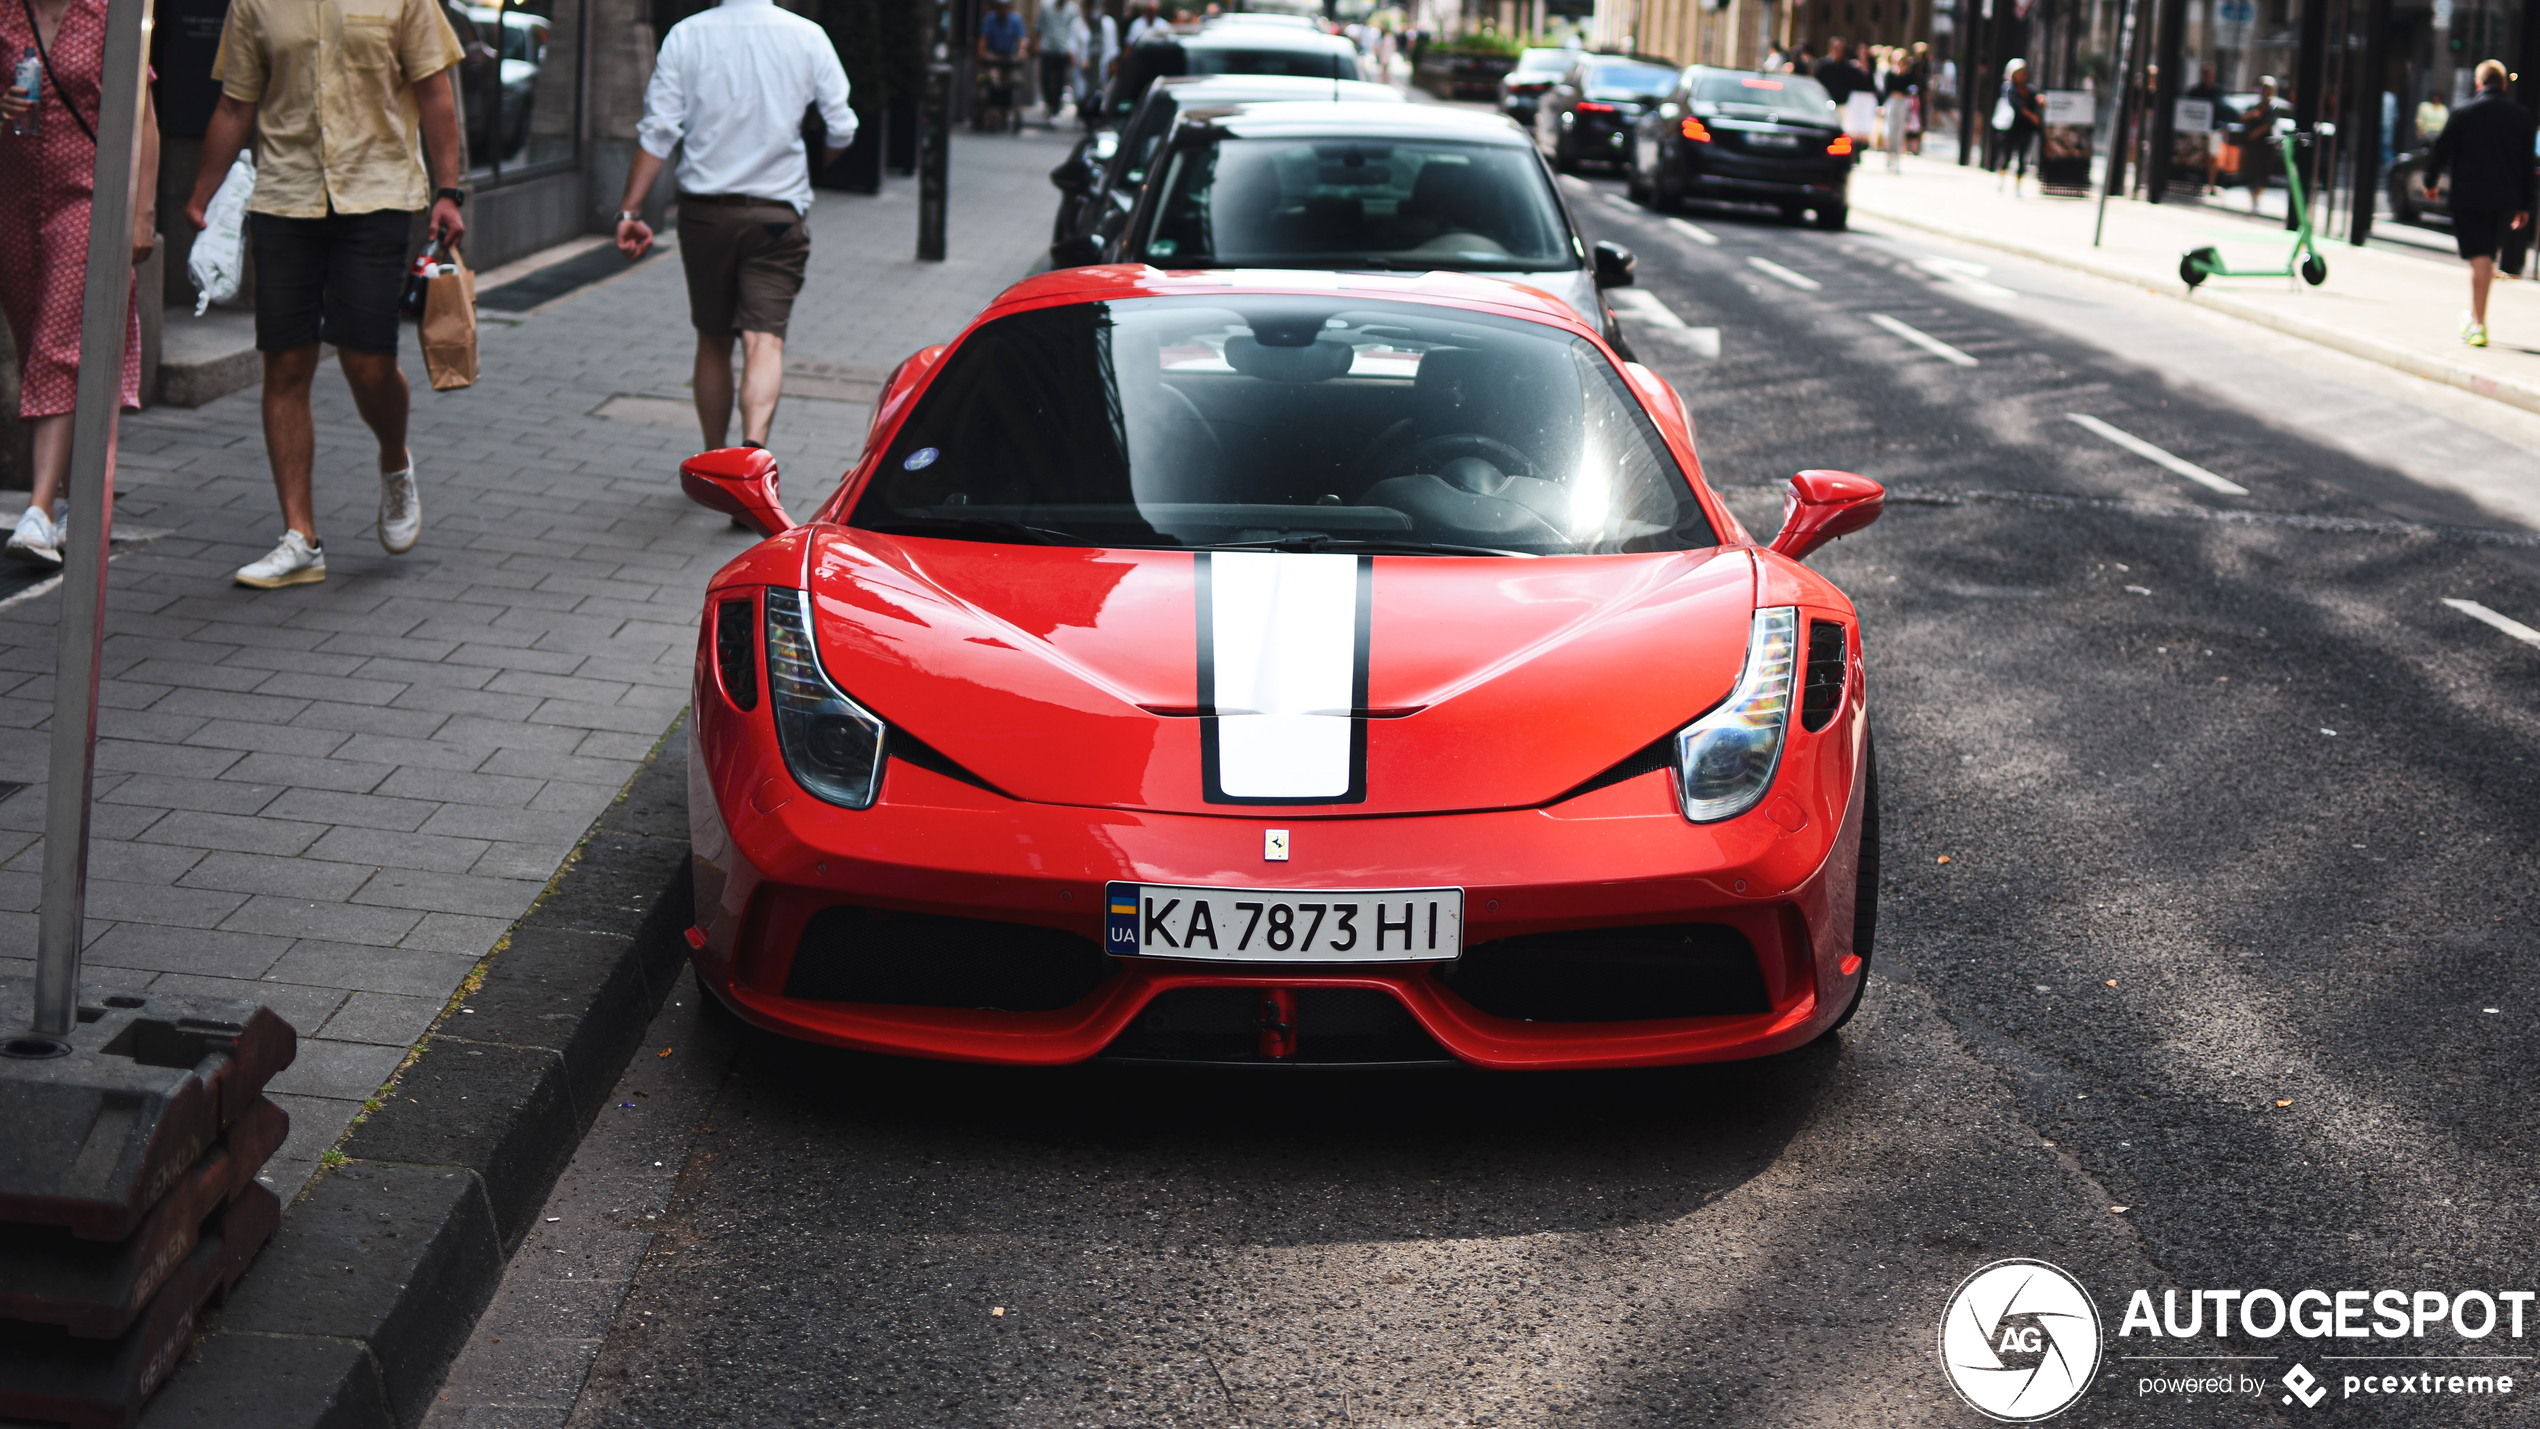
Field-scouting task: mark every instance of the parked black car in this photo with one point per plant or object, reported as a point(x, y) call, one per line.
point(1746, 138)
point(1537, 71)
point(1251, 49)
point(1587, 118)
point(1097, 194)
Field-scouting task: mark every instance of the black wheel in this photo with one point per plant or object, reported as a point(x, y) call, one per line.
point(1667, 190)
point(1865, 885)
point(2193, 265)
point(1635, 187)
point(1794, 213)
point(1833, 217)
point(2314, 269)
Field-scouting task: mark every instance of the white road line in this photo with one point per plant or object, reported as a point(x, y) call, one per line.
point(2155, 455)
point(1696, 232)
point(2505, 623)
point(1577, 185)
point(1965, 276)
point(1800, 281)
point(1622, 202)
point(1641, 307)
point(1923, 340)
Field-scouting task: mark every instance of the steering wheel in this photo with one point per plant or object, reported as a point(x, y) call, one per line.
point(1436, 452)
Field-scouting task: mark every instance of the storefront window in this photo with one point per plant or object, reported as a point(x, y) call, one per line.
point(520, 85)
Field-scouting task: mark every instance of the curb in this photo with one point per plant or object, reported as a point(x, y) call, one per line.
point(350, 1318)
point(2416, 364)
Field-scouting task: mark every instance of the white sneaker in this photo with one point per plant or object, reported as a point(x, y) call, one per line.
point(37, 540)
point(400, 510)
point(294, 562)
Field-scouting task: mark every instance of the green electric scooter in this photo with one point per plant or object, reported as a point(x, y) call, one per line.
point(2199, 264)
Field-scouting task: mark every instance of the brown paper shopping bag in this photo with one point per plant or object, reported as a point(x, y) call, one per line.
point(449, 328)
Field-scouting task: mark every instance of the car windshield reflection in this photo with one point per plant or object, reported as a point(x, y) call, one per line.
point(1405, 204)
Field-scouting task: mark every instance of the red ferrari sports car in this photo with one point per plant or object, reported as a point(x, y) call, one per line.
point(1281, 668)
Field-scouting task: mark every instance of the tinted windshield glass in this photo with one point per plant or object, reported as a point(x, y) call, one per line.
point(1312, 64)
point(1326, 202)
point(1628, 81)
point(1308, 423)
point(1785, 95)
point(1544, 61)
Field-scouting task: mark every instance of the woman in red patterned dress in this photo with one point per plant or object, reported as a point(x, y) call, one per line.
point(45, 182)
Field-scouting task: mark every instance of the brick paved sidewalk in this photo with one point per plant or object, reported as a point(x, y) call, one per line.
point(2400, 309)
point(335, 798)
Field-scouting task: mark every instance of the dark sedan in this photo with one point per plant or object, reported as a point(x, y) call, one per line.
point(1745, 138)
point(1537, 71)
point(1587, 118)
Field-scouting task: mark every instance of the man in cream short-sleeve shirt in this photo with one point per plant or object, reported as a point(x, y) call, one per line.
point(343, 97)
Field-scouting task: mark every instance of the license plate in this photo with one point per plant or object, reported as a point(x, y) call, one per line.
point(1284, 925)
point(1773, 141)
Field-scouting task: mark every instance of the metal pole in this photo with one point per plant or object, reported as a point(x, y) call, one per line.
point(2310, 79)
point(1969, 95)
point(934, 163)
point(2164, 94)
point(2114, 175)
point(2365, 109)
point(104, 311)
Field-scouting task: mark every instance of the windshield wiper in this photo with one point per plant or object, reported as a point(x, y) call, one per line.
point(1353, 543)
point(975, 528)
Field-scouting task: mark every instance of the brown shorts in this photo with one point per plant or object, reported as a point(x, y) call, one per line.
point(744, 263)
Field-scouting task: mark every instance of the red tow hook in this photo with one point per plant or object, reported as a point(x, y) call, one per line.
point(1278, 1022)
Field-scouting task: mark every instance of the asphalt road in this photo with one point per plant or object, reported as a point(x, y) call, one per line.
point(2204, 962)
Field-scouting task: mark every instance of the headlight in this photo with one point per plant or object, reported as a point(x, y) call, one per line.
point(1725, 760)
point(833, 746)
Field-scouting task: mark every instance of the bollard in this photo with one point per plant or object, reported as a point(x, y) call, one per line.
point(934, 164)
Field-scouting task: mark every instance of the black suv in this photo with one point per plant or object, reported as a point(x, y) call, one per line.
point(1745, 138)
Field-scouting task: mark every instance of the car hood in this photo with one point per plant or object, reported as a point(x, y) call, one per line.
point(1336, 684)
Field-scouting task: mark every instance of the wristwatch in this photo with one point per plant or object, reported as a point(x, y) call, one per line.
point(629, 215)
point(456, 196)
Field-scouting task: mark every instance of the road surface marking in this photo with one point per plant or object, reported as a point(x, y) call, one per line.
point(1965, 276)
point(1577, 185)
point(2505, 623)
point(2156, 456)
point(1800, 281)
point(1639, 305)
point(1695, 232)
point(1622, 202)
point(1923, 340)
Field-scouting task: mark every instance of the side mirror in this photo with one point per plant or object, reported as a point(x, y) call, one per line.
point(1614, 265)
point(1082, 250)
point(1075, 176)
point(1822, 505)
point(737, 481)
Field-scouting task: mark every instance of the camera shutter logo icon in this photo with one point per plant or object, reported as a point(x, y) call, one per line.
point(2020, 1341)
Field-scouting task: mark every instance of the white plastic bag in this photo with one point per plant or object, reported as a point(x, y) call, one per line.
point(219, 259)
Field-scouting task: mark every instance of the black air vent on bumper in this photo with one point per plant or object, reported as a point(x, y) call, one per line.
point(1613, 974)
point(1826, 664)
point(855, 954)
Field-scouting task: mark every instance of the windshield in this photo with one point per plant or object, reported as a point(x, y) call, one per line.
point(1295, 423)
point(1551, 62)
point(1335, 63)
point(1335, 202)
point(1628, 81)
point(1781, 96)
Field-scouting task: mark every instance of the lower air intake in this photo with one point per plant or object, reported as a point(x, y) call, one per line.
point(855, 954)
point(1613, 974)
point(1335, 1027)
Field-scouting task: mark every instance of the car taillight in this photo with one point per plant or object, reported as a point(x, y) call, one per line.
point(1823, 693)
point(736, 651)
point(1589, 107)
point(1841, 146)
point(1693, 130)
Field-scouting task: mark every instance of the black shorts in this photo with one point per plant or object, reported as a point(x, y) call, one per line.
point(2480, 233)
point(333, 279)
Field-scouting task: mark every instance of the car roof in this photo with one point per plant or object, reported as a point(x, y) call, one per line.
point(1442, 288)
point(1263, 37)
point(1260, 17)
point(1359, 120)
point(1196, 89)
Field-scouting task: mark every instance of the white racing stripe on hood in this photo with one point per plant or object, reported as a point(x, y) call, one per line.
point(1283, 667)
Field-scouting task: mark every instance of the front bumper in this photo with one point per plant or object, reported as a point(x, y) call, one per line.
point(771, 859)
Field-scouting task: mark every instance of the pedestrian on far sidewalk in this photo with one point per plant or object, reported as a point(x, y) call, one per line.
point(49, 175)
point(2486, 143)
point(343, 100)
point(2023, 116)
point(2254, 134)
point(1054, 36)
point(1004, 43)
point(728, 92)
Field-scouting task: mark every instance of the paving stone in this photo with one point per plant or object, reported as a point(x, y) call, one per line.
point(457, 932)
point(394, 848)
point(443, 892)
point(340, 922)
point(232, 831)
point(237, 954)
point(310, 878)
point(414, 971)
point(390, 1019)
point(209, 796)
point(341, 775)
point(326, 1068)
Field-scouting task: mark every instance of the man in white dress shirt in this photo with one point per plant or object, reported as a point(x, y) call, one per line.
point(728, 92)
